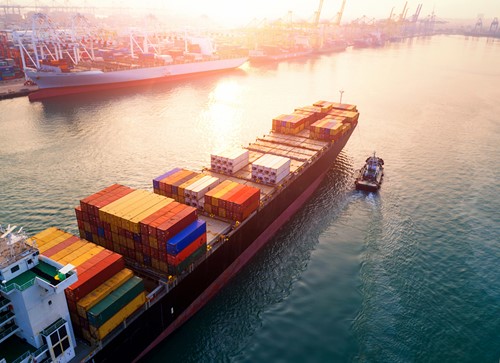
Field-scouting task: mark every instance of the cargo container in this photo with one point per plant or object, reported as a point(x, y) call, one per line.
point(102, 291)
point(185, 237)
point(114, 301)
point(100, 333)
point(94, 276)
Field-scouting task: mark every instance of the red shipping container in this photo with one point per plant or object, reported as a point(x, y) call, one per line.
point(177, 223)
point(61, 246)
point(93, 277)
point(186, 252)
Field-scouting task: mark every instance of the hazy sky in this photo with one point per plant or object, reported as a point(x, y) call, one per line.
point(248, 9)
point(243, 11)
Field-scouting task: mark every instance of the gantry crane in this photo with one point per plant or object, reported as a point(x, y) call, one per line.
point(338, 17)
point(318, 13)
point(494, 26)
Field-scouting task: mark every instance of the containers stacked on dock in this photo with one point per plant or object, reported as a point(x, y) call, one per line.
point(230, 161)
point(270, 169)
point(100, 273)
point(138, 224)
point(232, 200)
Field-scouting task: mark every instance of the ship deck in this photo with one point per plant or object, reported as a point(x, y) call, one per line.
point(13, 348)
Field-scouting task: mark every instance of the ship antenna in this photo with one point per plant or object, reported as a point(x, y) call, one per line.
point(341, 92)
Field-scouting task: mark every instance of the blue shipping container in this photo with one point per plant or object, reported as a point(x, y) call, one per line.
point(185, 237)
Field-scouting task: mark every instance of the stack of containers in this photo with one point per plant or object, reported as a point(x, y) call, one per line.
point(336, 105)
point(186, 247)
point(230, 161)
point(326, 129)
point(108, 313)
point(317, 112)
point(158, 228)
point(270, 169)
point(290, 124)
point(309, 117)
point(87, 214)
point(93, 264)
point(137, 225)
point(232, 200)
point(325, 106)
point(174, 183)
point(347, 116)
point(194, 194)
point(98, 294)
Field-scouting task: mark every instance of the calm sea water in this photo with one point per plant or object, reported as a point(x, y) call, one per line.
point(407, 275)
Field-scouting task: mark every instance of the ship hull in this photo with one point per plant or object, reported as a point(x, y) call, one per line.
point(54, 84)
point(270, 58)
point(208, 278)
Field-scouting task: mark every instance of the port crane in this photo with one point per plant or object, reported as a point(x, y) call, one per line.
point(494, 26)
point(317, 14)
point(338, 17)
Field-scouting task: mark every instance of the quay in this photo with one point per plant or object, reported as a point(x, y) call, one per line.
point(15, 88)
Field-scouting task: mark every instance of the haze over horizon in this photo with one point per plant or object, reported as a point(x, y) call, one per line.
point(243, 12)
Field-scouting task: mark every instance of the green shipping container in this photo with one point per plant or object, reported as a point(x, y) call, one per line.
point(177, 270)
point(115, 301)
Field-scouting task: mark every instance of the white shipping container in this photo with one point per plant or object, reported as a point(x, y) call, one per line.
point(190, 188)
point(200, 191)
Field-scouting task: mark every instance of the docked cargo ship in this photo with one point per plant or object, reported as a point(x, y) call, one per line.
point(276, 54)
point(52, 81)
point(188, 237)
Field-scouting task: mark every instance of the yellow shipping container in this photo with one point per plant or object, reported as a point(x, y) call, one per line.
point(68, 250)
point(83, 250)
point(103, 290)
point(55, 235)
point(148, 199)
point(155, 263)
point(118, 213)
point(54, 242)
point(210, 195)
point(221, 193)
point(87, 256)
point(139, 257)
point(43, 234)
point(106, 212)
point(119, 317)
point(153, 242)
point(163, 266)
point(134, 222)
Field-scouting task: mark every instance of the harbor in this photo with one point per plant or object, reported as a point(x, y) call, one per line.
point(363, 270)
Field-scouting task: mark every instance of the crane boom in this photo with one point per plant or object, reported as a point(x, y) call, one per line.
point(318, 13)
point(338, 18)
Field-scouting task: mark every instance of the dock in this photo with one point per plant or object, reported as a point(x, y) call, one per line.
point(15, 88)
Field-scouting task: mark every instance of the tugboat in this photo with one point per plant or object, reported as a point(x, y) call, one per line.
point(371, 174)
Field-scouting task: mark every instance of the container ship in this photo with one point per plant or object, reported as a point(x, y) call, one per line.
point(53, 82)
point(146, 261)
point(270, 54)
point(104, 69)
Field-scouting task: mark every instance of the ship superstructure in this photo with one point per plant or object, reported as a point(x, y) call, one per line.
point(35, 323)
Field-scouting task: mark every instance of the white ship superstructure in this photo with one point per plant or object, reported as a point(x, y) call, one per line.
point(35, 322)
